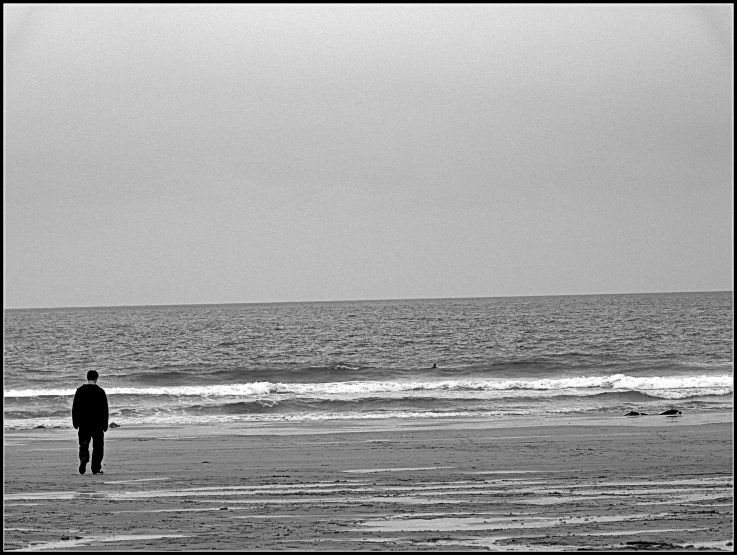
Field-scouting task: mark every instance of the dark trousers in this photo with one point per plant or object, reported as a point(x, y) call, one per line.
point(98, 446)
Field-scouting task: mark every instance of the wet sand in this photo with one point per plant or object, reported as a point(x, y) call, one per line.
point(442, 484)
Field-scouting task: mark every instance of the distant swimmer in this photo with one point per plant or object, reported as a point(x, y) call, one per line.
point(671, 412)
point(635, 413)
point(434, 365)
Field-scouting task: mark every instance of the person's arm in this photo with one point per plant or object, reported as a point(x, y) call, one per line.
point(75, 412)
point(106, 410)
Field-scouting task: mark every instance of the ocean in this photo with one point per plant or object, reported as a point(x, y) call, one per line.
point(545, 356)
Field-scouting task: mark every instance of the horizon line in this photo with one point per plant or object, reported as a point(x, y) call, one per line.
point(364, 300)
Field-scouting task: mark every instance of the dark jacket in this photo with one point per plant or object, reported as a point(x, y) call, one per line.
point(89, 409)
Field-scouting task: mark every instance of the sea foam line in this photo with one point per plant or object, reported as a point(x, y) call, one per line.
point(616, 381)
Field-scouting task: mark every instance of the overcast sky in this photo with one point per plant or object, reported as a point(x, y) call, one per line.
point(175, 154)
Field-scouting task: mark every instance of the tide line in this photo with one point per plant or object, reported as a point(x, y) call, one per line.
point(369, 470)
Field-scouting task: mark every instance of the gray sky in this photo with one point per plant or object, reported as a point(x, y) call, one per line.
point(172, 154)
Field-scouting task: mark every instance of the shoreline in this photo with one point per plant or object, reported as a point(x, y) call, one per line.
point(523, 483)
point(338, 425)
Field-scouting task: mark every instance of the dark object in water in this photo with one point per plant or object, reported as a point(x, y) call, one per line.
point(38, 427)
point(114, 425)
point(635, 413)
point(671, 412)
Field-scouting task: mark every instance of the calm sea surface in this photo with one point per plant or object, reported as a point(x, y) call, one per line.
point(597, 355)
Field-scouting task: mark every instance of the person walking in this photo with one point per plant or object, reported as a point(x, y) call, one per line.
point(90, 416)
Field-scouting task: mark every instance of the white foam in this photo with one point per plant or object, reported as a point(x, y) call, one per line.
point(514, 471)
point(194, 510)
point(41, 495)
point(447, 524)
point(719, 384)
point(69, 544)
point(340, 500)
point(256, 388)
point(225, 490)
point(137, 480)
point(369, 470)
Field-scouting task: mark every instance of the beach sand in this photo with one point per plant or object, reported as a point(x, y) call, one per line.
point(433, 484)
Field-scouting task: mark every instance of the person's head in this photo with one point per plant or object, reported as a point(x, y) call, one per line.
point(92, 376)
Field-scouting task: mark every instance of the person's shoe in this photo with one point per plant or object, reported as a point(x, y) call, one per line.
point(98, 472)
point(83, 466)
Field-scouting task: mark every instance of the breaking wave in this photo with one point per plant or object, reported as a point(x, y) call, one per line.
point(723, 384)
